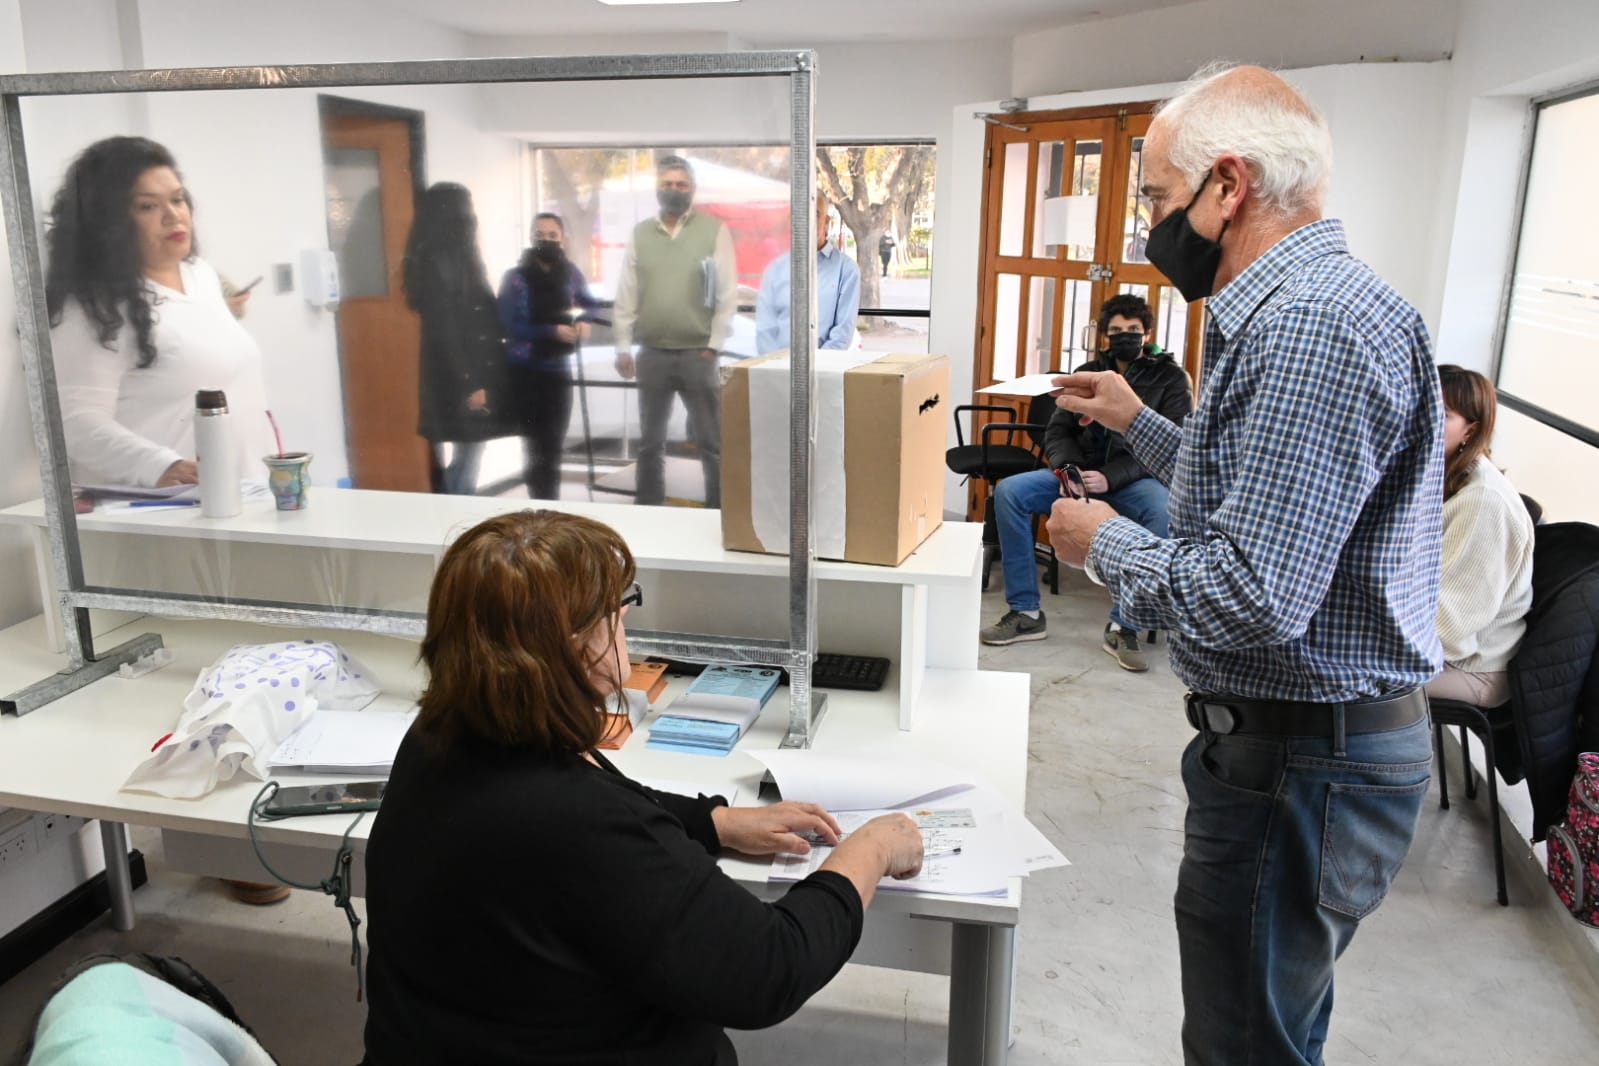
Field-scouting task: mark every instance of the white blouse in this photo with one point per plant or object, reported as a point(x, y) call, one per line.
point(125, 424)
point(1487, 572)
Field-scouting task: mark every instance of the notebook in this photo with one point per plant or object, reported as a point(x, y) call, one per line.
point(344, 742)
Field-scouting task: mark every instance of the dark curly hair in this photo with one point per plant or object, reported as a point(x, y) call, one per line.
point(1128, 306)
point(94, 254)
point(442, 260)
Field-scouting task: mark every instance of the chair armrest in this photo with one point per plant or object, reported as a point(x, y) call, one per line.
point(995, 408)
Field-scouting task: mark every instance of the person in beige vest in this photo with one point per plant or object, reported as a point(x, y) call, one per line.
point(675, 302)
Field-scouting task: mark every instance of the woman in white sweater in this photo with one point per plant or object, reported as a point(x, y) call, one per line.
point(139, 323)
point(1487, 560)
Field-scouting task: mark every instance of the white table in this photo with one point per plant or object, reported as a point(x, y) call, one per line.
point(72, 756)
point(362, 548)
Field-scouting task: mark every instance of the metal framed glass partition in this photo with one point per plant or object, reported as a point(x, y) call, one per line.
point(77, 593)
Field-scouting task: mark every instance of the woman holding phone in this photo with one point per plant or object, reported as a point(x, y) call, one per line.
point(139, 323)
point(564, 913)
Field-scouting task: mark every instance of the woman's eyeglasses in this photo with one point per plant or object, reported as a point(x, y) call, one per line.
point(1071, 482)
point(633, 597)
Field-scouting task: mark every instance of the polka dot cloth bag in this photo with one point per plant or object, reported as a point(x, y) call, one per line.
point(243, 706)
point(1574, 845)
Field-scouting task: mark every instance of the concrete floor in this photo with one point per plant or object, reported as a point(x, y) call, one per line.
point(1440, 974)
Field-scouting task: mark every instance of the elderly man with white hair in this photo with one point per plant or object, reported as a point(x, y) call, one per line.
point(1300, 579)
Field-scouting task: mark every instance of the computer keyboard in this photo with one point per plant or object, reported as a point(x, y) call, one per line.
point(865, 673)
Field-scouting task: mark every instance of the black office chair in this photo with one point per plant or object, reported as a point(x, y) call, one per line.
point(992, 462)
point(1565, 587)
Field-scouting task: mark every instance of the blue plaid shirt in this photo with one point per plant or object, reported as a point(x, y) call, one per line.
point(1306, 490)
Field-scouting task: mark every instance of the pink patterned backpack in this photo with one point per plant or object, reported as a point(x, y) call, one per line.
point(1574, 845)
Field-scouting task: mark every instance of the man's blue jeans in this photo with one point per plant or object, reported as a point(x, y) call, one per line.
point(1021, 496)
point(1286, 847)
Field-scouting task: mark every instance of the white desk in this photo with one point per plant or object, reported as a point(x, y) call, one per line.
point(921, 614)
point(72, 756)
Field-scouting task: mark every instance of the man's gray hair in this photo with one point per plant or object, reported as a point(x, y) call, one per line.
point(674, 162)
point(1282, 138)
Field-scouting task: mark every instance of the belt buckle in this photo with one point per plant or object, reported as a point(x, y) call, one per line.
point(1210, 717)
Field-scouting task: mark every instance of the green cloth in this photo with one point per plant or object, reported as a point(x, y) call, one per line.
point(673, 308)
point(117, 1013)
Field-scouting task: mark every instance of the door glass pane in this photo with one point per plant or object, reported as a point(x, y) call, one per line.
point(355, 222)
point(1077, 328)
point(1048, 218)
point(1135, 228)
point(1085, 183)
point(1007, 320)
point(1040, 325)
point(1013, 199)
point(1171, 322)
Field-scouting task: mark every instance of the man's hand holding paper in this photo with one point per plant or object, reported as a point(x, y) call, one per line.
point(1101, 396)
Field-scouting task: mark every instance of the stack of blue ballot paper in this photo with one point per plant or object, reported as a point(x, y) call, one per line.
point(713, 712)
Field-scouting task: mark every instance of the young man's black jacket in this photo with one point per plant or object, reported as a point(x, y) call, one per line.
point(1158, 381)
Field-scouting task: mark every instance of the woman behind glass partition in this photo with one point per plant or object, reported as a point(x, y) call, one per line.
point(139, 323)
point(461, 362)
point(542, 303)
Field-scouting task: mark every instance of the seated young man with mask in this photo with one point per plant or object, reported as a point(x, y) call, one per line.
point(1109, 472)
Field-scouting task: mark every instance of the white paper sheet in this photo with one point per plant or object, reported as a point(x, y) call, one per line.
point(862, 781)
point(975, 859)
point(345, 742)
point(769, 436)
point(1028, 385)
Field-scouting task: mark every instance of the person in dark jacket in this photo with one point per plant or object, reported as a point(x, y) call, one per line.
point(539, 302)
point(1109, 472)
point(530, 904)
point(461, 364)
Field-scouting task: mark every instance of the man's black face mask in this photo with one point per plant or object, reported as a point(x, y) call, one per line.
point(1126, 346)
point(1186, 256)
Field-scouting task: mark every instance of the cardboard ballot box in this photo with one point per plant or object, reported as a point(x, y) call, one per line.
point(878, 463)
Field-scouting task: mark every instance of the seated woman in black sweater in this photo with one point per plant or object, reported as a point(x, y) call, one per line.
point(530, 904)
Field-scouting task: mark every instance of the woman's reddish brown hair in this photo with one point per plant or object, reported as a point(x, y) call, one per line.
point(511, 613)
point(1473, 397)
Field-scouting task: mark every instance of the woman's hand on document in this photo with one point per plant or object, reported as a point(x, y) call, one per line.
point(889, 845)
point(781, 827)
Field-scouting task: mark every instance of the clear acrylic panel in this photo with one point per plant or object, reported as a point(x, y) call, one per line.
point(335, 341)
point(1085, 161)
point(1013, 199)
point(1007, 324)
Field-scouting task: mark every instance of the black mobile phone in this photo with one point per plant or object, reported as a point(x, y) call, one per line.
point(250, 286)
point(326, 799)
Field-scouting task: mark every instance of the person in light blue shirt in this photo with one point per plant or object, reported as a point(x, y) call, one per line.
point(838, 295)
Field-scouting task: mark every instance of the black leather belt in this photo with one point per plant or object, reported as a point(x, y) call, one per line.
point(1229, 714)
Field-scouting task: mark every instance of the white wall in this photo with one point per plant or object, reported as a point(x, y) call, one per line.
point(1170, 43)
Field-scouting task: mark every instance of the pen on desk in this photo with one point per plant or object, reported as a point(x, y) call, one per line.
point(933, 853)
point(163, 503)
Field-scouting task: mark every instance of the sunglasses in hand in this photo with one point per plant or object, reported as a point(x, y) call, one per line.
point(1071, 482)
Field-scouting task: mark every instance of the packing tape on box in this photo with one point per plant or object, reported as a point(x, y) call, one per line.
point(769, 434)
